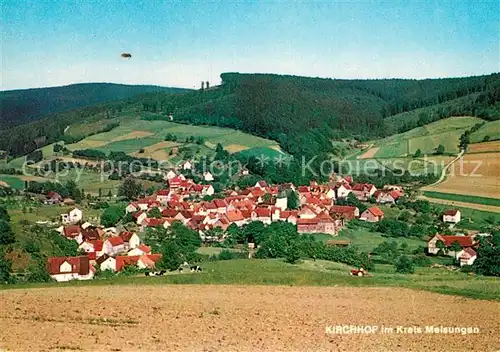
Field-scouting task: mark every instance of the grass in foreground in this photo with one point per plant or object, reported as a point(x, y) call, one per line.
point(463, 198)
point(308, 273)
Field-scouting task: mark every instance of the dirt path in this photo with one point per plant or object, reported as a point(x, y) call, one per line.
point(445, 169)
point(239, 318)
point(483, 207)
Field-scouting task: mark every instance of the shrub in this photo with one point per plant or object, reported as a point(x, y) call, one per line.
point(404, 265)
point(226, 255)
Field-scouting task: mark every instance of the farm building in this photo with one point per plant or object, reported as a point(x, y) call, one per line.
point(452, 216)
point(70, 268)
point(373, 214)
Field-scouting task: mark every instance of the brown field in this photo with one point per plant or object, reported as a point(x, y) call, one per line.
point(234, 148)
point(157, 151)
point(238, 318)
point(493, 146)
point(461, 179)
point(369, 154)
point(132, 135)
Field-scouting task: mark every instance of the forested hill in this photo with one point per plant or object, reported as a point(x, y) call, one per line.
point(21, 106)
point(303, 114)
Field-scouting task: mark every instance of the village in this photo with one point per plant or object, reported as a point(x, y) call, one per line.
point(313, 209)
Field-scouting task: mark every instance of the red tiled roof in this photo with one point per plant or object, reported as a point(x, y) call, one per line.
point(97, 244)
point(220, 203)
point(463, 241)
point(126, 235)
point(341, 209)
point(234, 215)
point(312, 221)
point(468, 253)
point(262, 212)
point(122, 261)
point(450, 212)
point(115, 240)
point(139, 213)
point(169, 213)
point(144, 248)
point(79, 265)
point(376, 211)
point(163, 192)
point(153, 222)
point(72, 230)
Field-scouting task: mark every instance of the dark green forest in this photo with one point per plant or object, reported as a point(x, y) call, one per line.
point(303, 114)
point(24, 105)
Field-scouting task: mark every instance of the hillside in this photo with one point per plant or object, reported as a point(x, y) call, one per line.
point(302, 114)
point(427, 138)
point(20, 106)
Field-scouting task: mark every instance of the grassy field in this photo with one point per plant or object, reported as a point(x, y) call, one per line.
point(133, 134)
point(308, 273)
point(491, 129)
point(366, 240)
point(13, 181)
point(426, 138)
point(463, 198)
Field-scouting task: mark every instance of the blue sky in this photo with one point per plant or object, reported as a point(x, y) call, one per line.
point(58, 42)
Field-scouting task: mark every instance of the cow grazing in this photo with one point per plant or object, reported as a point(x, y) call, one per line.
point(195, 268)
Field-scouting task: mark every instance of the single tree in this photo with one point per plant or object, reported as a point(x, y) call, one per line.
point(6, 233)
point(418, 153)
point(440, 149)
point(130, 189)
point(155, 213)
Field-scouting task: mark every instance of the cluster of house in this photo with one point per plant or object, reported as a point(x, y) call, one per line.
point(317, 212)
point(107, 249)
point(465, 252)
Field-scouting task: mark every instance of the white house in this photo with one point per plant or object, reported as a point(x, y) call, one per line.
point(70, 268)
point(106, 262)
point(343, 190)
point(467, 256)
point(207, 190)
point(187, 165)
point(170, 174)
point(452, 215)
point(130, 239)
point(139, 250)
point(113, 246)
point(75, 215)
point(132, 208)
point(207, 176)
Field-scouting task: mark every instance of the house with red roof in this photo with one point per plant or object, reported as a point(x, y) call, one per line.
point(221, 205)
point(342, 190)
point(463, 241)
point(363, 191)
point(261, 214)
point(130, 239)
point(163, 195)
point(387, 197)
point(207, 190)
point(114, 245)
point(322, 223)
point(145, 261)
point(93, 248)
point(306, 212)
point(53, 198)
point(372, 214)
point(70, 268)
point(346, 212)
point(140, 216)
point(139, 250)
point(261, 184)
point(74, 216)
point(289, 216)
point(236, 217)
point(467, 256)
point(132, 207)
point(452, 216)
